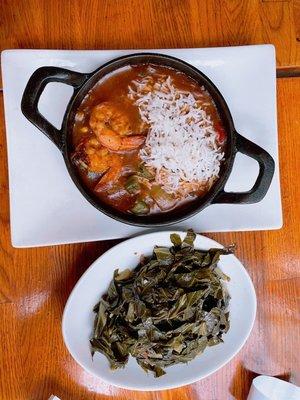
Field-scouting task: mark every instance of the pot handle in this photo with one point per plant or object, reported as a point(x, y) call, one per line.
point(263, 181)
point(32, 93)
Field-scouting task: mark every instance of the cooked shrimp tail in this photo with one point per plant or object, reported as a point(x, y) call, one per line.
point(112, 128)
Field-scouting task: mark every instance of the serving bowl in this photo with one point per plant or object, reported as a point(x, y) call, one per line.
point(82, 83)
point(78, 317)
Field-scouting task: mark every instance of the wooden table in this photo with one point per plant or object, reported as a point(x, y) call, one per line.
point(35, 283)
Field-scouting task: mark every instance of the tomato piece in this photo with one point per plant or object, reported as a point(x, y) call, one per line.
point(220, 132)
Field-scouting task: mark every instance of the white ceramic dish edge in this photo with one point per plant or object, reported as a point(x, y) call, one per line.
point(209, 243)
point(26, 228)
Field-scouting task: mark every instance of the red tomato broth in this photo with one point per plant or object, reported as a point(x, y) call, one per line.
point(113, 89)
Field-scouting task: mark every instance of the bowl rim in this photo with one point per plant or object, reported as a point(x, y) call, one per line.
point(93, 266)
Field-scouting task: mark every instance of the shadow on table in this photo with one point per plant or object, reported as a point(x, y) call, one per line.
point(242, 380)
point(50, 386)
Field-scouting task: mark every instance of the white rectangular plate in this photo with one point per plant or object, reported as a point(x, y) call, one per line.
point(45, 206)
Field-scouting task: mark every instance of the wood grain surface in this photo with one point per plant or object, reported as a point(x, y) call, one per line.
point(35, 283)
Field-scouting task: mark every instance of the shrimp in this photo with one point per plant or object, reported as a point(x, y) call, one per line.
point(112, 175)
point(114, 142)
point(92, 156)
point(112, 128)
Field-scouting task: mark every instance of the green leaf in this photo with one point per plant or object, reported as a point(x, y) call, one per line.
point(101, 320)
point(163, 255)
point(175, 239)
point(123, 275)
point(189, 239)
point(166, 311)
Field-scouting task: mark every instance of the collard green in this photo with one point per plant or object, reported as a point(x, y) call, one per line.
point(167, 310)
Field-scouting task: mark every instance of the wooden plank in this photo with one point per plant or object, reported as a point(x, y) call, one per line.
point(115, 24)
point(7, 284)
point(288, 72)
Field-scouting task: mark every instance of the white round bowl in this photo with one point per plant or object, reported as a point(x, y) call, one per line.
point(78, 317)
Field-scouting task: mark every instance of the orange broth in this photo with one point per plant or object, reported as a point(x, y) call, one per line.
point(114, 90)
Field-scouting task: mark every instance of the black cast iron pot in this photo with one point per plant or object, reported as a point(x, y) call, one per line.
point(82, 83)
